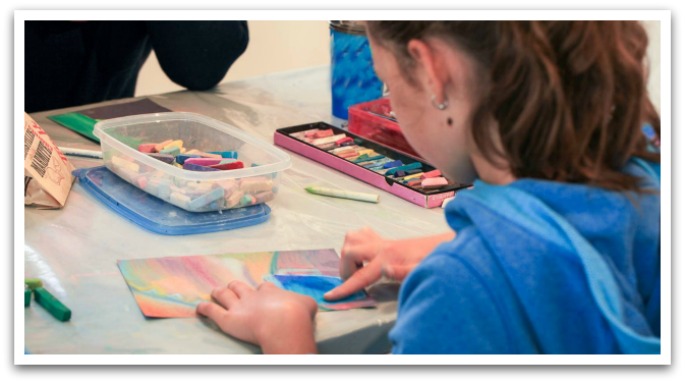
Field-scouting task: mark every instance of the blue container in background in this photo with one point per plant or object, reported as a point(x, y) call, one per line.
point(353, 79)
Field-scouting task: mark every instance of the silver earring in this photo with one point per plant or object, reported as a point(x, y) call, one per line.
point(441, 106)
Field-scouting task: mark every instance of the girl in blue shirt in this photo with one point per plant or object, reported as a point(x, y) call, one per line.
point(558, 246)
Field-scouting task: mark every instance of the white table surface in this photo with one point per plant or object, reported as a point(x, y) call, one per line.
point(74, 250)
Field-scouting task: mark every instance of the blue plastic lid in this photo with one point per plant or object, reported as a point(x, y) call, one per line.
point(157, 215)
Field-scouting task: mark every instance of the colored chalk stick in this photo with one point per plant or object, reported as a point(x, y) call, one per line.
point(172, 150)
point(161, 145)
point(203, 161)
point(52, 304)
point(431, 174)
point(392, 164)
point(203, 154)
point(206, 199)
point(32, 283)
point(182, 157)
point(337, 151)
point(147, 148)
point(309, 133)
point(175, 143)
point(327, 140)
point(198, 168)
point(168, 158)
point(409, 177)
point(346, 194)
point(227, 154)
point(369, 158)
point(228, 165)
point(413, 165)
point(348, 154)
point(323, 133)
point(345, 140)
point(361, 158)
point(434, 182)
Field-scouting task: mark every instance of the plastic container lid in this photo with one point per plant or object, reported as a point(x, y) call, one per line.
point(157, 215)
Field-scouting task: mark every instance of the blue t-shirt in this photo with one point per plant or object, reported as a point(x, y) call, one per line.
point(499, 288)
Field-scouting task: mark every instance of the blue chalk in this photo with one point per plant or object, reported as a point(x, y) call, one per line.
point(413, 165)
point(181, 158)
point(392, 164)
point(205, 199)
point(226, 154)
point(199, 168)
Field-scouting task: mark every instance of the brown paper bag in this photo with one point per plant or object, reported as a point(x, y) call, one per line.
point(47, 172)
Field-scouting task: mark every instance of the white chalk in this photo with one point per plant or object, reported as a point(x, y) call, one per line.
point(338, 193)
point(80, 152)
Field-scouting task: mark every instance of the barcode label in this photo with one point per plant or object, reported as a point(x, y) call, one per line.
point(28, 141)
point(41, 159)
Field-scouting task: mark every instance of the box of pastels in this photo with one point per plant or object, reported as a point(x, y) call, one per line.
point(388, 169)
point(191, 161)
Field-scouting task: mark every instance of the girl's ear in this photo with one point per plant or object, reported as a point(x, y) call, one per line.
point(431, 65)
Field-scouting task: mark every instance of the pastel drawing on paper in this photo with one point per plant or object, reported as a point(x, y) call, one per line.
point(315, 286)
point(171, 287)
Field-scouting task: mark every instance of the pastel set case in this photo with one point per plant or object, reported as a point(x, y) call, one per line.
point(424, 198)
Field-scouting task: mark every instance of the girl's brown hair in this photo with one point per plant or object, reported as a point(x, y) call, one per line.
point(569, 97)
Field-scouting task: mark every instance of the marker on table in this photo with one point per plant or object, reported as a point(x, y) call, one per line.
point(81, 152)
point(338, 193)
point(47, 300)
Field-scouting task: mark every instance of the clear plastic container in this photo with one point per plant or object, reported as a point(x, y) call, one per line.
point(194, 191)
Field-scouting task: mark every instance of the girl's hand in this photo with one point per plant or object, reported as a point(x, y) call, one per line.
point(279, 321)
point(366, 257)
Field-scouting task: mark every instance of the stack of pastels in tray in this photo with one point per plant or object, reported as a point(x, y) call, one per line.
point(172, 152)
point(189, 194)
point(341, 145)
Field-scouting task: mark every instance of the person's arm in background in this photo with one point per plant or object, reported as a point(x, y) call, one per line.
point(366, 257)
point(197, 54)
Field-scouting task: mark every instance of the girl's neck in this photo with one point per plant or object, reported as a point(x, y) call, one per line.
point(491, 173)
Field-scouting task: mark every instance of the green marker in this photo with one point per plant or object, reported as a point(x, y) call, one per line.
point(50, 303)
point(27, 296)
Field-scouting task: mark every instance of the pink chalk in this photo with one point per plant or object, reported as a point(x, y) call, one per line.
point(434, 182)
point(323, 133)
point(344, 141)
point(203, 161)
point(431, 174)
point(310, 133)
point(327, 140)
point(147, 148)
point(350, 154)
